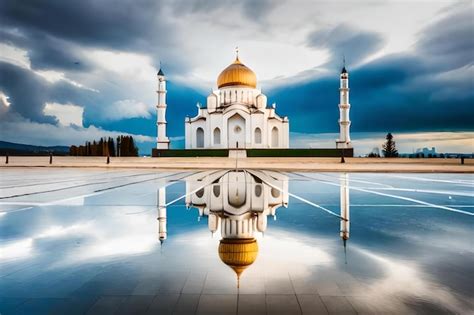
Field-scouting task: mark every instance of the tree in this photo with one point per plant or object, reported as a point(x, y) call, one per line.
point(133, 148)
point(389, 148)
point(106, 147)
point(73, 150)
point(111, 146)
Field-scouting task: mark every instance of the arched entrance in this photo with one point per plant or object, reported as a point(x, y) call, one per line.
point(236, 131)
point(199, 138)
point(258, 135)
point(217, 136)
point(275, 137)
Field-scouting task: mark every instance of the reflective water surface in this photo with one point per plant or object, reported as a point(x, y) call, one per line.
point(235, 242)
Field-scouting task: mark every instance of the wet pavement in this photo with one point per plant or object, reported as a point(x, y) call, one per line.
point(91, 241)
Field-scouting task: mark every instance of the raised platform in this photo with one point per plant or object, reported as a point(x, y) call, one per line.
point(390, 165)
point(254, 152)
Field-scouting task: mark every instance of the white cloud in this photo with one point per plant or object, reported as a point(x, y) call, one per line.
point(17, 249)
point(14, 55)
point(124, 109)
point(4, 99)
point(67, 114)
point(130, 66)
point(54, 76)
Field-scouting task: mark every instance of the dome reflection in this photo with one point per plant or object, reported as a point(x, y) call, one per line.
point(236, 204)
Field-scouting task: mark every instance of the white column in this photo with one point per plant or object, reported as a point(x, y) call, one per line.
point(162, 141)
point(162, 233)
point(345, 206)
point(344, 140)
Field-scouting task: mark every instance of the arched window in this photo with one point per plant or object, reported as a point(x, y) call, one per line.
point(258, 190)
point(275, 192)
point(200, 193)
point(258, 135)
point(275, 137)
point(217, 190)
point(217, 136)
point(200, 138)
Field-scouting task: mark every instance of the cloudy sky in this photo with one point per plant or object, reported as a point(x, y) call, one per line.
point(72, 71)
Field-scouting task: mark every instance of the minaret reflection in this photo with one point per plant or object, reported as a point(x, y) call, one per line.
point(237, 204)
point(162, 234)
point(345, 209)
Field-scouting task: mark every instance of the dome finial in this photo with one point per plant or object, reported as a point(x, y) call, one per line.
point(236, 53)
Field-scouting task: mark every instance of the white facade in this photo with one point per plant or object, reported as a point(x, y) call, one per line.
point(344, 140)
point(236, 116)
point(237, 203)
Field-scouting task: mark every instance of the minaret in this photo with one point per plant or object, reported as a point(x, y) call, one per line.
point(162, 141)
point(162, 234)
point(344, 140)
point(345, 210)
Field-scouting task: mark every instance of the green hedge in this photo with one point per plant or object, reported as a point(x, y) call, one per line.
point(190, 153)
point(299, 152)
point(254, 152)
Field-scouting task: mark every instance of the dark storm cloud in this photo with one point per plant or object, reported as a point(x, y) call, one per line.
point(45, 51)
point(58, 28)
point(24, 91)
point(344, 40)
point(56, 35)
point(385, 96)
point(254, 10)
point(28, 92)
point(430, 88)
point(111, 23)
point(449, 43)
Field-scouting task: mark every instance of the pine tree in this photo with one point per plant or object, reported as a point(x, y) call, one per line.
point(389, 148)
point(123, 146)
point(111, 145)
point(133, 147)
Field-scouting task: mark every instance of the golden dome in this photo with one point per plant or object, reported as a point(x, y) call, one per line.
point(237, 74)
point(238, 254)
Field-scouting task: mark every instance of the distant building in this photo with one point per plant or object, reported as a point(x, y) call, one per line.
point(427, 152)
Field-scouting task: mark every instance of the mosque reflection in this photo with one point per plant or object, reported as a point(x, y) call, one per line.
point(237, 204)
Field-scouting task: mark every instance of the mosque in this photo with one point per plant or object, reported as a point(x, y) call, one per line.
point(237, 115)
point(237, 204)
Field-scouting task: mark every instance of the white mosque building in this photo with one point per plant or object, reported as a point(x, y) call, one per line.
point(237, 116)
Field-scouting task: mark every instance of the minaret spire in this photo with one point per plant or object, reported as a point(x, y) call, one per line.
point(345, 210)
point(162, 141)
point(162, 232)
point(344, 140)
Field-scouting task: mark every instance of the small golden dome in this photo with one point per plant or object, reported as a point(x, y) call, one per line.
point(237, 74)
point(238, 254)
